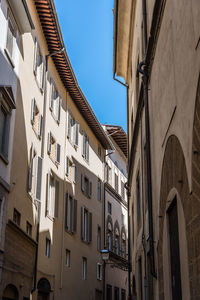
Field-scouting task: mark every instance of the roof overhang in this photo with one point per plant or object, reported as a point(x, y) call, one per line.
point(122, 24)
point(22, 15)
point(51, 29)
point(119, 136)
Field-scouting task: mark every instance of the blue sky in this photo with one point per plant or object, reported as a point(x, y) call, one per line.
point(87, 28)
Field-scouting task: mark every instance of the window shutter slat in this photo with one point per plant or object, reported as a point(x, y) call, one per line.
point(57, 190)
point(74, 215)
point(38, 179)
point(90, 228)
point(82, 183)
point(82, 223)
point(58, 147)
point(48, 193)
point(30, 172)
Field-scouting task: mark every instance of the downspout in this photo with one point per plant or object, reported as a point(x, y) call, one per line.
point(148, 152)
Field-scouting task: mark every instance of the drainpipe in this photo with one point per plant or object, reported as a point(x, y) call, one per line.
point(143, 71)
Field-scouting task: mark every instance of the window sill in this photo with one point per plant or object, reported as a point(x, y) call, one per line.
point(5, 160)
point(50, 217)
point(54, 117)
point(9, 58)
point(38, 84)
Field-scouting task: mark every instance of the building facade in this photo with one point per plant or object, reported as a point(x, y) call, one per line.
point(157, 52)
point(116, 215)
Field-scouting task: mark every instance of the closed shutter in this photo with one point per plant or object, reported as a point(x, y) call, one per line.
point(38, 179)
point(90, 189)
point(66, 211)
point(82, 182)
point(67, 166)
point(89, 227)
point(51, 95)
point(74, 216)
point(82, 223)
point(69, 126)
point(59, 108)
point(43, 75)
point(33, 105)
point(57, 191)
point(30, 171)
point(58, 147)
point(49, 143)
point(40, 126)
point(48, 194)
point(84, 145)
point(35, 58)
point(76, 133)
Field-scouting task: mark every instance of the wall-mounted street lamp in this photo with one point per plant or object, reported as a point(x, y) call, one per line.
point(105, 254)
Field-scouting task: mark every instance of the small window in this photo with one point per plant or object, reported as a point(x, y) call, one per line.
point(108, 292)
point(84, 268)
point(28, 228)
point(99, 238)
point(48, 247)
point(67, 258)
point(54, 149)
point(99, 190)
point(86, 186)
point(99, 271)
point(109, 208)
point(16, 217)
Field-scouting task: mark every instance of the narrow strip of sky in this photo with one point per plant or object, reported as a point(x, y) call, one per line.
point(87, 28)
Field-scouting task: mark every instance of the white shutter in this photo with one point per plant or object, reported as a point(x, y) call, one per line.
point(51, 94)
point(33, 105)
point(84, 145)
point(48, 194)
point(49, 143)
point(69, 126)
point(57, 191)
point(40, 126)
point(76, 133)
point(30, 172)
point(59, 108)
point(58, 148)
point(38, 179)
point(87, 148)
point(67, 166)
point(35, 58)
point(42, 74)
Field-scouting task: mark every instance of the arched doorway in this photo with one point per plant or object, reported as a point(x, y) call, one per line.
point(10, 293)
point(44, 289)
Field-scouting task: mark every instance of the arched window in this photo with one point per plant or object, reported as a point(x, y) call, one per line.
point(10, 293)
point(109, 234)
point(117, 238)
point(123, 246)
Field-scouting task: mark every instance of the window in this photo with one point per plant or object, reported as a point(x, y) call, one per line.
point(6, 105)
point(53, 196)
point(123, 245)
point(116, 183)
point(123, 294)
point(84, 268)
point(54, 149)
point(76, 134)
point(55, 102)
point(109, 208)
point(117, 242)
point(71, 123)
point(71, 171)
point(138, 198)
point(99, 271)
point(99, 238)
point(48, 247)
point(38, 67)
point(16, 217)
point(99, 190)
point(70, 214)
point(36, 119)
point(28, 228)
point(85, 150)
point(116, 293)
point(108, 292)
point(11, 35)
point(109, 236)
point(35, 175)
point(67, 262)
point(122, 190)
point(86, 186)
point(108, 174)
point(86, 225)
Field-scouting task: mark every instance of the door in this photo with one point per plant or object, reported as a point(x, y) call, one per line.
point(174, 252)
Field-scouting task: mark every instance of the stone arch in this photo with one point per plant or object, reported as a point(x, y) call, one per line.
point(174, 183)
point(44, 289)
point(10, 293)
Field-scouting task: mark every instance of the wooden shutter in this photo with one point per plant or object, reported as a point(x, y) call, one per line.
point(83, 182)
point(38, 179)
point(33, 105)
point(57, 191)
point(74, 210)
point(89, 227)
point(82, 223)
point(90, 189)
point(66, 210)
point(48, 194)
point(49, 143)
point(30, 171)
point(40, 126)
point(35, 58)
point(59, 108)
point(58, 147)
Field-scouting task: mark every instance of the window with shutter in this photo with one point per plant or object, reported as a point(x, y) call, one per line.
point(76, 137)
point(30, 171)
point(49, 143)
point(70, 214)
point(58, 148)
point(57, 191)
point(38, 179)
point(52, 196)
point(33, 106)
point(67, 166)
point(86, 225)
